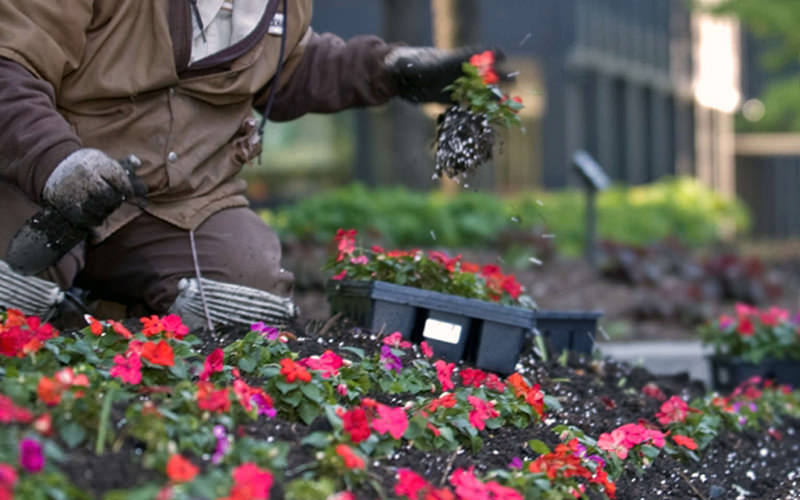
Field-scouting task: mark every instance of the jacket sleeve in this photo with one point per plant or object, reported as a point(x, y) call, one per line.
point(40, 42)
point(327, 74)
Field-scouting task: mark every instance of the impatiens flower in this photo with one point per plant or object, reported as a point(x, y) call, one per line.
point(8, 479)
point(655, 437)
point(472, 377)
point(426, 349)
point(250, 482)
point(180, 470)
point(249, 396)
point(11, 413)
point(601, 478)
point(43, 424)
point(396, 340)
point(391, 420)
point(355, 424)
point(341, 389)
point(158, 354)
point(684, 441)
point(293, 371)
point(466, 485)
point(151, 326)
point(726, 322)
point(614, 443)
point(212, 400)
point(485, 64)
point(516, 463)
point(652, 390)
point(634, 434)
point(343, 495)
point(410, 484)
point(212, 364)
point(746, 328)
point(120, 329)
point(351, 459)
point(127, 368)
point(743, 310)
point(444, 372)
point(266, 331)
point(672, 410)
point(49, 391)
point(94, 326)
point(340, 276)
point(481, 412)
point(223, 444)
point(328, 363)
point(389, 360)
point(345, 242)
point(31, 457)
point(446, 400)
point(494, 383)
point(360, 260)
point(174, 327)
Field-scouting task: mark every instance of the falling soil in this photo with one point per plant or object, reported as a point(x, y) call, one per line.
point(596, 395)
point(464, 142)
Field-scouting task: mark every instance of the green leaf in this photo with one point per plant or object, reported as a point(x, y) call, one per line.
point(308, 412)
point(312, 392)
point(538, 446)
point(247, 365)
point(317, 439)
point(355, 350)
point(72, 434)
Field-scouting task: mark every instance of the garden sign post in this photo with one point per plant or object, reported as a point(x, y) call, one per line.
point(594, 179)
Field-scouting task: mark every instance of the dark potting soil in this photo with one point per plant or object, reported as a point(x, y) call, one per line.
point(596, 395)
point(464, 142)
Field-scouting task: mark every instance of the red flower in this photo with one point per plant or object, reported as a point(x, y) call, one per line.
point(340, 276)
point(601, 478)
point(293, 371)
point(94, 326)
point(212, 364)
point(391, 420)
point(250, 482)
point(396, 340)
point(151, 326)
point(174, 327)
point(180, 470)
point(511, 286)
point(685, 441)
point(8, 480)
point(120, 329)
point(127, 368)
point(247, 395)
point(494, 383)
point(472, 377)
point(410, 484)
point(446, 400)
point(356, 425)
point(11, 413)
point(673, 410)
point(485, 64)
point(481, 412)
point(745, 327)
point(158, 354)
point(351, 459)
point(426, 349)
point(49, 391)
point(444, 372)
point(328, 363)
point(653, 391)
point(210, 399)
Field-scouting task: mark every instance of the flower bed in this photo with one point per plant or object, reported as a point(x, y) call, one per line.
point(143, 410)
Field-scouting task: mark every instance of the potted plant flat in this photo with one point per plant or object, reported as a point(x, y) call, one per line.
point(463, 310)
point(754, 342)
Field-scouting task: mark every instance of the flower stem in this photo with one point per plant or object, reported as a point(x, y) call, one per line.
point(104, 418)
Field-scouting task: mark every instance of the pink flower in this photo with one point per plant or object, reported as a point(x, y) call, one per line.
point(774, 316)
point(8, 479)
point(410, 484)
point(653, 391)
point(426, 349)
point(743, 310)
point(396, 340)
point(174, 327)
point(656, 438)
point(30, 455)
point(11, 413)
point(391, 420)
point(613, 443)
point(444, 372)
point(341, 389)
point(673, 410)
point(345, 242)
point(361, 260)
point(466, 485)
point(127, 368)
point(634, 434)
point(212, 364)
point(340, 276)
point(328, 363)
point(481, 412)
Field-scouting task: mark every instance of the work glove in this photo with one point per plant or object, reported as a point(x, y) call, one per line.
point(422, 73)
point(87, 186)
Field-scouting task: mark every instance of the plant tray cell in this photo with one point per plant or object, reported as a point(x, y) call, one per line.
point(727, 373)
point(486, 334)
point(573, 331)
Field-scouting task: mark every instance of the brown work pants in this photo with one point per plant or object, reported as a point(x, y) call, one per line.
point(143, 262)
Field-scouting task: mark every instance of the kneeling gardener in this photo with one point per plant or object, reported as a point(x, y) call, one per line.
point(173, 82)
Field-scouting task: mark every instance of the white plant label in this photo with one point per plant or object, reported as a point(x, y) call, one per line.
point(442, 331)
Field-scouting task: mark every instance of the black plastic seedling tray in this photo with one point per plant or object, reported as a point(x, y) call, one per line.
point(486, 334)
point(572, 331)
point(727, 373)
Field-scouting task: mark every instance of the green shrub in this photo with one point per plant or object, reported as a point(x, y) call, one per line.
point(680, 208)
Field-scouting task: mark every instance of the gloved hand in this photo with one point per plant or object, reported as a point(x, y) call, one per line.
point(421, 73)
point(87, 186)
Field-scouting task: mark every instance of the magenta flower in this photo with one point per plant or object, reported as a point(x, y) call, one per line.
point(266, 331)
point(390, 361)
point(30, 455)
point(516, 463)
point(264, 407)
point(223, 444)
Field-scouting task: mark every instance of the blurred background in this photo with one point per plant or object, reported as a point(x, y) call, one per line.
point(691, 108)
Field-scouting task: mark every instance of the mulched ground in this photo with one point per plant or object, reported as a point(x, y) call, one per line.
point(596, 395)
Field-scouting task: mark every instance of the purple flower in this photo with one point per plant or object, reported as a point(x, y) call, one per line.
point(516, 463)
point(223, 444)
point(390, 361)
point(600, 462)
point(753, 407)
point(266, 331)
point(30, 455)
point(263, 407)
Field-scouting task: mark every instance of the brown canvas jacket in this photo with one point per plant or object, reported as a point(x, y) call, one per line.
point(114, 75)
